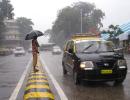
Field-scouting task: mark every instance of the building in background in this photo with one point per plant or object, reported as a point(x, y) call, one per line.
point(126, 29)
point(123, 39)
point(11, 37)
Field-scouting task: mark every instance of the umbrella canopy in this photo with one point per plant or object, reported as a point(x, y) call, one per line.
point(32, 34)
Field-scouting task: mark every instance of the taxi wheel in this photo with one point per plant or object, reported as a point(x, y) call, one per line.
point(118, 82)
point(76, 78)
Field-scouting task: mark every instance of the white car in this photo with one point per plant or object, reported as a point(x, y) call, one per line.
point(19, 51)
point(56, 50)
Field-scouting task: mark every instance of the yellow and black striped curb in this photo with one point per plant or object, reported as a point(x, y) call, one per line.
point(37, 87)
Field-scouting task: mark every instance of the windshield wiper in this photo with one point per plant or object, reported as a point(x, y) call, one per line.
point(87, 52)
point(96, 52)
point(103, 51)
point(87, 47)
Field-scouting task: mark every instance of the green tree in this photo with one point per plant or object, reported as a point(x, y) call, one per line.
point(6, 11)
point(113, 31)
point(68, 20)
point(25, 25)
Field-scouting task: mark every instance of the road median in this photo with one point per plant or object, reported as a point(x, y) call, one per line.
point(37, 87)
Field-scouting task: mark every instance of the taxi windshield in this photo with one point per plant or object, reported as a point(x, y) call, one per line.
point(94, 46)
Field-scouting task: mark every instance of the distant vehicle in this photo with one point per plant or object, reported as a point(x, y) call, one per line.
point(5, 51)
point(18, 51)
point(93, 59)
point(47, 47)
point(56, 50)
point(30, 50)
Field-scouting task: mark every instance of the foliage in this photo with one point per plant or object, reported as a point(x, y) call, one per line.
point(113, 31)
point(68, 20)
point(6, 11)
point(25, 25)
point(2, 27)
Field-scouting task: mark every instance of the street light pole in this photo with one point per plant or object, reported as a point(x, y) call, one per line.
point(81, 23)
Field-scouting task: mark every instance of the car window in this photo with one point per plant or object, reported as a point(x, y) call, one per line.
point(68, 45)
point(72, 45)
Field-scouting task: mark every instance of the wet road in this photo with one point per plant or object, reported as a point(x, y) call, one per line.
point(96, 91)
point(11, 69)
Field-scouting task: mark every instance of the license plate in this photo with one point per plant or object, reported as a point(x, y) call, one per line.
point(106, 71)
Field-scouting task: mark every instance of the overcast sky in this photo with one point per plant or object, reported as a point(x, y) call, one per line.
point(43, 12)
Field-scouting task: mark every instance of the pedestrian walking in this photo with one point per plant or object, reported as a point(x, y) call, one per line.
point(35, 52)
point(33, 36)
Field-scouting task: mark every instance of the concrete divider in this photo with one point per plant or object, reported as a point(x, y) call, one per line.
point(37, 87)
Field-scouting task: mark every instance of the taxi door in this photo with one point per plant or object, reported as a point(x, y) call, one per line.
point(70, 57)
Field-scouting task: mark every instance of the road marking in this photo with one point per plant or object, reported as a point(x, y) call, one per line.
point(32, 81)
point(37, 77)
point(38, 83)
point(38, 95)
point(57, 86)
point(37, 74)
point(19, 85)
point(36, 86)
point(38, 90)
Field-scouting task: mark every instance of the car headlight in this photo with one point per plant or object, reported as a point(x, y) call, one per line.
point(122, 63)
point(87, 65)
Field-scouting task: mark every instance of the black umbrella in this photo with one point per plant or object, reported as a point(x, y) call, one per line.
point(32, 34)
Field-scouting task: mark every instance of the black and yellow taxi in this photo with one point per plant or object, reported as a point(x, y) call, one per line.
point(91, 58)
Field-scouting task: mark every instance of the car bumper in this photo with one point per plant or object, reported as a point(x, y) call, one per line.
point(95, 75)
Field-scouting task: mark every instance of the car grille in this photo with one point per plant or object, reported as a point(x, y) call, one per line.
point(106, 64)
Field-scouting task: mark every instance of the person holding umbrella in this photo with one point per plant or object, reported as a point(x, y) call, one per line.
point(35, 52)
point(33, 35)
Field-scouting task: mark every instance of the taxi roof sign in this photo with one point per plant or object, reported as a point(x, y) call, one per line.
point(85, 36)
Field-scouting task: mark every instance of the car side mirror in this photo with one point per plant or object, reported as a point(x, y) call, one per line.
point(119, 51)
point(70, 50)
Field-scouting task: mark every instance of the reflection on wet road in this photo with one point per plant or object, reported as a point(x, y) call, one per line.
point(93, 91)
point(11, 69)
